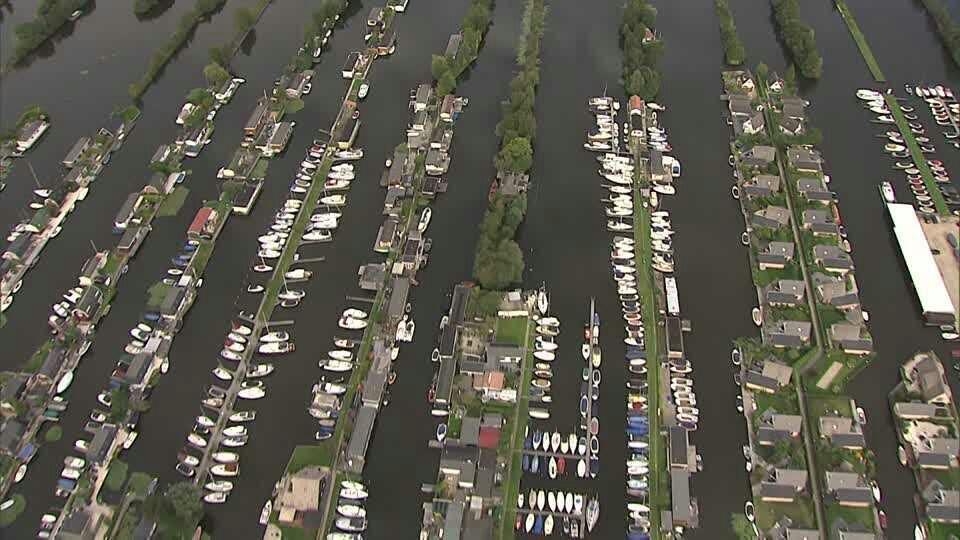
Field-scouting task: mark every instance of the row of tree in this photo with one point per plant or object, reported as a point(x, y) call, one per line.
point(799, 38)
point(949, 30)
point(445, 69)
point(733, 49)
point(641, 49)
point(322, 19)
point(499, 260)
point(50, 16)
point(185, 27)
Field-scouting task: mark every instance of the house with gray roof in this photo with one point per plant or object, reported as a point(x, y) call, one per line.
point(740, 105)
point(754, 124)
point(849, 489)
point(852, 338)
point(793, 107)
point(832, 290)
point(919, 411)
point(814, 190)
point(785, 292)
point(788, 334)
point(759, 156)
point(776, 427)
point(832, 258)
point(943, 505)
point(775, 255)
point(102, 445)
point(784, 486)
point(10, 435)
point(842, 432)
point(804, 159)
point(789, 533)
point(790, 126)
point(771, 217)
point(924, 375)
point(820, 222)
point(941, 452)
point(761, 185)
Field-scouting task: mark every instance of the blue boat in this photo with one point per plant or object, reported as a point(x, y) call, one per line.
point(525, 463)
point(537, 437)
point(151, 316)
point(535, 465)
point(190, 248)
point(538, 526)
point(638, 536)
point(637, 430)
point(527, 442)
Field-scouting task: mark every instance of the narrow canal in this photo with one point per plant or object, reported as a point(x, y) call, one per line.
point(79, 77)
point(398, 458)
point(565, 240)
point(282, 420)
point(712, 270)
point(92, 221)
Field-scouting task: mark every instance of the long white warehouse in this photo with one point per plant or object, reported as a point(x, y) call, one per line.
point(934, 299)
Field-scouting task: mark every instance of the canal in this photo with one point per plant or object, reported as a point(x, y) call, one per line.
point(80, 76)
point(398, 459)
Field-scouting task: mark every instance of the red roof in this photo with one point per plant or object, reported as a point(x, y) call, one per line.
point(489, 437)
point(200, 220)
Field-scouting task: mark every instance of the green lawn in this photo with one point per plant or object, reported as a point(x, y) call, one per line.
point(8, 516)
point(800, 511)
point(139, 482)
point(511, 330)
point(511, 485)
point(942, 531)
point(116, 475)
point(861, 516)
point(173, 202)
point(307, 456)
point(156, 293)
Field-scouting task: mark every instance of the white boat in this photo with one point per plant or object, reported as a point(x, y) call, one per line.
point(886, 189)
point(340, 355)
point(225, 470)
point(334, 200)
point(64, 383)
point(197, 440)
point(546, 356)
point(665, 189)
point(299, 273)
point(593, 513)
point(215, 498)
point(219, 486)
point(68, 473)
point(351, 510)
point(538, 414)
point(275, 337)
point(251, 393)
point(355, 313)
point(353, 494)
point(868, 95)
point(276, 348)
point(337, 366)
point(226, 457)
point(424, 219)
point(352, 324)
point(265, 513)
point(756, 316)
point(235, 431)
point(545, 345)
point(541, 499)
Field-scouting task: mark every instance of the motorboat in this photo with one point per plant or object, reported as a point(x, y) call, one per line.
point(251, 393)
point(351, 323)
point(886, 189)
point(276, 348)
point(337, 366)
point(592, 513)
point(243, 416)
point(757, 316)
point(219, 486)
point(225, 470)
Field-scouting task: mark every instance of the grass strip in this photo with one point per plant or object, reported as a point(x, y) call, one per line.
point(861, 41)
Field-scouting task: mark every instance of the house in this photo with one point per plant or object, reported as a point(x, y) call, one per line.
point(450, 108)
point(175, 303)
point(775, 255)
point(771, 377)
point(399, 293)
point(10, 392)
point(131, 240)
point(458, 465)
point(87, 305)
point(422, 97)
point(386, 235)
point(280, 135)
point(491, 426)
point(127, 211)
point(740, 105)
point(814, 190)
point(356, 453)
point(832, 258)
point(919, 411)
point(852, 338)
point(762, 185)
point(50, 369)
point(441, 139)
point(297, 85)
point(943, 505)
point(79, 525)
point(76, 151)
point(759, 156)
point(453, 45)
point(793, 107)
point(136, 372)
point(17, 250)
point(376, 380)
point(771, 217)
point(785, 485)
point(301, 493)
point(679, 448)
point(437, 162)
point(842, 432)
point(512, 183)
point(204, 224)
point(924, 375)
point(470, 431)
point(102, 445)
point(791, 533)
point(788, 334)
point(257, 118)
point(347, 134)
point(160, 184)
point(785, 292)
point(775, 427)
point(683, 508)
point(412, 251)
point(387, 42)
point(790, 126)
point(937, 452)
point(161, 154)
point(754, 124)
point(805, 160)
point(849, 489)
point(91, 268)
point(833, 291)
point(10, 437)
point(820, 222)
point(371, 276)
point(491, 382)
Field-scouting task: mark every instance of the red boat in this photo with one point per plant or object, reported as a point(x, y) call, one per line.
point(561, 465)
point(883, 520)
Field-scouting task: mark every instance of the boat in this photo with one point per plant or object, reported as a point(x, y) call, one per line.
point(424, 219)
point(529, 523)
point(548, 525)
point(546, 356)
point(353, 493)
point(886, 189)
point(340, 355)
point(593, 513)
point(276, 348)
point(235, 431)
point(226, 457)
point(749, 511)
point(215, 498)
point(260, 370)
point(350, 323)
point(541, 499)
point(251, 393)
point(337, 366)
point(538, 414)
point(756, 316)
point(902, 455)
point(265, 513)
point(64, 383)
point(225, 469)
point(196, 440)
point(274, 337)
point(219, 486)
point(441, 432)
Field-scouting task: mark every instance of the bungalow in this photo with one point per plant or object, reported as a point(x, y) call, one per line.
point(160, 184)
point(76, 151)
point(371, 276)
point(512, 183)
point(491, 382)
point(943, 505)
point(376, 380)
point(351, 127)
point(813, 189)
point(392, 203)
point(87, 305)
point(298, 85)
point(30, 132)
point(441, 139)
point(131, 239)
point(17, 250)
point(50, 369)
point(422, 97)
point(759, 156)
point(789, 334)
point(491, 426)
point(257, 118)
point(785, 292)
point(360, 439)
point(820, 222)
point(740, 105)
point(279, 137)
point(772, 376)
point(771, 217)
point(79, 525)
point(386, 235)
point(804, 159)
point(778, 427)
point(842, 432)
point(204, 223)
point(851, 338)
point(679, 447)
point(833, 291)
point(91, 268)
point(458, 465)
point(754, 124)
point(849, 489)
point(162, 153)
point(453, 45)
point(924, 375)
point(832, 258)
point(127, 210)
point(938, 452)
point(919, 411)
point(437, 162)
point(135, 375)
point(793, 107)
point(102, 445)
point(470, 431)
point(790, 126)
point(450, 108)
point(775, 255)
point(399, 295)
point(785, 486)
point(762, 185)
point(301, 492)
point(412, 251)
point(10, 436)
point(176, 302)
point(387, 43)
point(10, 392)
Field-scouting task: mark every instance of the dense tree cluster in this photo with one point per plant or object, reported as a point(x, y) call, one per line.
point(641, 49)
point(949, 30)
point(733, 50)
point(499, 260)
point(799, 38)
point(446, 69)
point(51, 15)
point(322, 19)
point(185, 26)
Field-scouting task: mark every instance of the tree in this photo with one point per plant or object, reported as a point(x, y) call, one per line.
point(762, 72)
point(119, 404)
point(184, 500)
point(220, 55)
point(446, 84)
point(790, 80)
point(439, 66)
point(742, 527)
point(243, 19)
point(516, 156)
point(215, 74)
point(200, 97)
point(644, 82)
